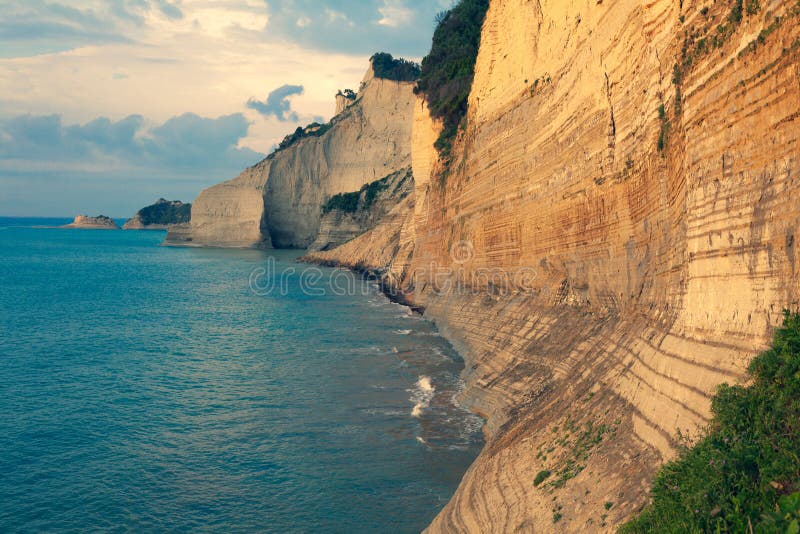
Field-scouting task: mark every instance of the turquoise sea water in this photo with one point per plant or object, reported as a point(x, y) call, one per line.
point(146, 388)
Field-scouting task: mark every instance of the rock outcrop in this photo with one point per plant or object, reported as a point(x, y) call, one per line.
point(614, 237)
point(348, 215)
point(279, 201)
point(159, 216)
point(101, 222)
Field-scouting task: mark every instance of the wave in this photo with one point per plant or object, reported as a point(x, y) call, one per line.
point(422, 395)
point(403, 332)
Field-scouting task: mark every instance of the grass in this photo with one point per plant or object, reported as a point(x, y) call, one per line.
point(743, 475)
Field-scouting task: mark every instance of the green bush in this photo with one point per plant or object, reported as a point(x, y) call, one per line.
point(448, 69)
point(351, 202)
point(744, 474)
point(541, 476)
point(400, 70)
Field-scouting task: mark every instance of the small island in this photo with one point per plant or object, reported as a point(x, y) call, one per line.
point(101, 222)
point(160, 215)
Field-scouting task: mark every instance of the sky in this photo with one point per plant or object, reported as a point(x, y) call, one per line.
point(108, 105)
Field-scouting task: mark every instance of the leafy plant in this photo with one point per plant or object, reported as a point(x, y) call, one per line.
point(744, 474)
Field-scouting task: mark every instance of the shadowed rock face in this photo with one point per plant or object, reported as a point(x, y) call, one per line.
point(101, 222)
point(278, 202)
point(627, 277)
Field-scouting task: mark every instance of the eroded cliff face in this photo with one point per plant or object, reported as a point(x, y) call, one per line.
point(602, 257)
point(367, 207)
point(278, 202)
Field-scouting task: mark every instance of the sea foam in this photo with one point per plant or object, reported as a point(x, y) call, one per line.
point(421, 395)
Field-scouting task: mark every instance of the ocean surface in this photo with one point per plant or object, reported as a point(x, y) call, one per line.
point(146, 388)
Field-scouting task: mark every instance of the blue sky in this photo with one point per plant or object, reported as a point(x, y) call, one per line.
point(107, 105)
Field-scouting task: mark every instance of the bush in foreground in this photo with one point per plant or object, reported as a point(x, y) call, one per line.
point(744, 474)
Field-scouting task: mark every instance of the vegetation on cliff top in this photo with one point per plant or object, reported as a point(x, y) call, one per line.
point(166, 212)
point(314, 129)
point(400, 70)
point(744, 474)
point(448, 70)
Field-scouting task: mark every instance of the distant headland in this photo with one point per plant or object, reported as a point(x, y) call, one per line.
point(101, 222)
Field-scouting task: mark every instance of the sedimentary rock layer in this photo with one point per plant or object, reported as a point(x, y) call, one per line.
point(614, 238)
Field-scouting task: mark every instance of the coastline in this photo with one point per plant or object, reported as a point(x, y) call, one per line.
point(471, 397)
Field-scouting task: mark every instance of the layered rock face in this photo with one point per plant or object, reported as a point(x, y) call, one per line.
point(614, 238)
point(279, 201)
point(101, 222)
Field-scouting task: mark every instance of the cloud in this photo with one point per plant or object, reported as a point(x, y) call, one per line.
point(33, 27)
point(278, 104)
point(39, 153)
point(395, 14)
point(401, 27)
point(170, 10)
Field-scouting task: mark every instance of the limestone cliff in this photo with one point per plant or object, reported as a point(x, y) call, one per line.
point(614, 237)
point(279, 201)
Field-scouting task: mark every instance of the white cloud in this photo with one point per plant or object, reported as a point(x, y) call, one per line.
point(209, 62)
point(335, 16)
point(302, 22)
point(395, 14)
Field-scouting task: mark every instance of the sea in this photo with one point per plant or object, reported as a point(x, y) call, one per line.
point(147, 388)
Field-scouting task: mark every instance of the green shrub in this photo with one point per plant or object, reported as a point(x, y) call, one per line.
point(541, 476)
point(664, 133)
point(352, 202)
point(346, 202)
point(448, 70)
point(744, 474)
point(400, 70)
